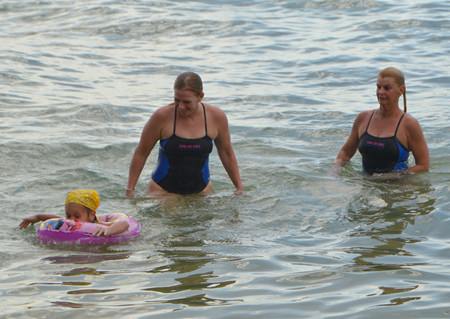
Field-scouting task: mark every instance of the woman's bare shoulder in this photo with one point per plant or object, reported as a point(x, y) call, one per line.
point(215, 110)
point(365, 114)
point(410, 122)
point(409, 118)
point(215, 113)
point(163, 112)
point(363, 117)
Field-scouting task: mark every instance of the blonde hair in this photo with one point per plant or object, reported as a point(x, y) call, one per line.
point(399, 78)
point(189, 81)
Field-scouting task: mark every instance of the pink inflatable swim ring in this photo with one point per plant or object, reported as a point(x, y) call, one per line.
point(66, 231)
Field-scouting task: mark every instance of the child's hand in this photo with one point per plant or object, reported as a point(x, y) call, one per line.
point(27, 221)
point(102, 230)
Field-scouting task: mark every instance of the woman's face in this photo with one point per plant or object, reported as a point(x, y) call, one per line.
point(388, 91)
point(78, 212)
point(187, 101)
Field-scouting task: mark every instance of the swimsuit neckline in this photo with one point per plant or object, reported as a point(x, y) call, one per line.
point(394, 137)
point(380, 137)
point(186, 138)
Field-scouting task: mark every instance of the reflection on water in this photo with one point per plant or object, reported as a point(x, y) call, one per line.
point(69, 304)
point(193, 282)
point(382, 212)
point(401, 301)
point(392, 200)
point(184, 261)
point(83, 271)
point(391, 290)
point(186, 227)
point(75, 283)
point(198, 301)
point(86, 259)
point(89, 291)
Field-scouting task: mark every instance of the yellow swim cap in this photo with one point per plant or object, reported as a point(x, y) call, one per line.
point(87, 197)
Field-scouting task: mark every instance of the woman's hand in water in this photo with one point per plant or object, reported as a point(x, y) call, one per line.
point(129, 192)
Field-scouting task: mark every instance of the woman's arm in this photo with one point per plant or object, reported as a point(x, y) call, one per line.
point(226, 152)
point(418, 146)
point(350, 146)
point(36, 218)
point(149, 136)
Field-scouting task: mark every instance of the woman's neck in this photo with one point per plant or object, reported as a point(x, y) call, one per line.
point(388, 111)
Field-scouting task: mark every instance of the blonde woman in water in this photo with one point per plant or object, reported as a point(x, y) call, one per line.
point(386, 135)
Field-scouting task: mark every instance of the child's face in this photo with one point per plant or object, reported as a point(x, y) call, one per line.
point(78, 212)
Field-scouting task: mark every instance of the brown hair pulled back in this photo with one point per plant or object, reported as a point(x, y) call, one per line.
point(189, 81)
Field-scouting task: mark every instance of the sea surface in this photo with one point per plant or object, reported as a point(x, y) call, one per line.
point(78, 81)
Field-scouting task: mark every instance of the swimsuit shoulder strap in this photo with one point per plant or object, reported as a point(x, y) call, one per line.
point(368, 123)
point(174, 119)
point(398, 124)
point(204, 115)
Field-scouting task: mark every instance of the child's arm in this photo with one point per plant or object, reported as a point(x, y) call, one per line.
point(36, 218)
point(117, 226)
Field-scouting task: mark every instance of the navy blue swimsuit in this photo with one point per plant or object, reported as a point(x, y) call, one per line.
point(383, 154)
point(183, 162)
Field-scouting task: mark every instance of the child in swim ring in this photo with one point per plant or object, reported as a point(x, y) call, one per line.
point(81, 206)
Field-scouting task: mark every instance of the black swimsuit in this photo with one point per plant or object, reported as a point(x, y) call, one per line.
point(183, 162)
point(383, 154)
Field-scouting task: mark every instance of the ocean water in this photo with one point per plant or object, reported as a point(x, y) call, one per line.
point(79, 79)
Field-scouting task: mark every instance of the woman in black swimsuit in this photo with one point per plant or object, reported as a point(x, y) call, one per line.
point(186, 130)
point(386, 135)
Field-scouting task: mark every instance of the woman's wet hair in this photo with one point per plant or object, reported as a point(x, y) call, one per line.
point(189, 81)
point(399, 78)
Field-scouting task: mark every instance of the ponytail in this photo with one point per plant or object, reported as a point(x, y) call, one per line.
point(404, 102)
point(399, 78)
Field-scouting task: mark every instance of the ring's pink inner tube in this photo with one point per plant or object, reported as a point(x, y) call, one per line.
point(66, 231)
